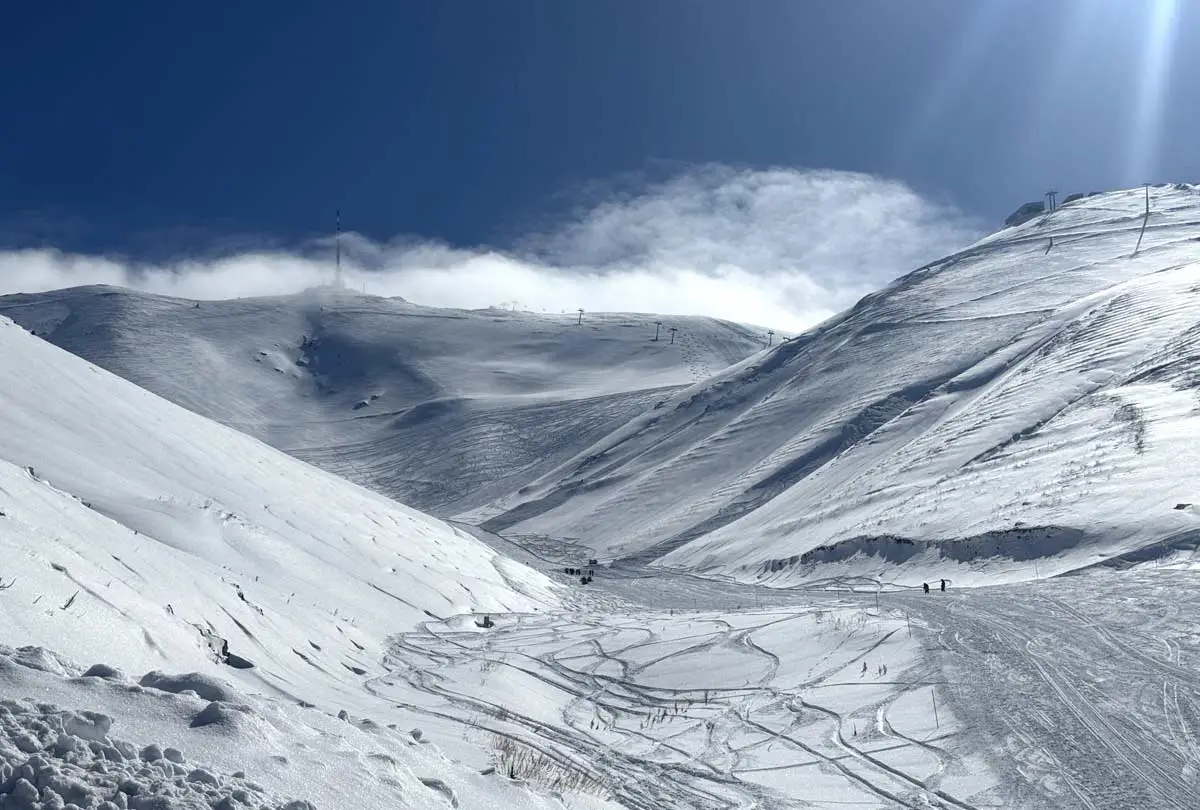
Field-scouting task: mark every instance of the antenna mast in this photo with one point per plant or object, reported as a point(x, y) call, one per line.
point(338, 281)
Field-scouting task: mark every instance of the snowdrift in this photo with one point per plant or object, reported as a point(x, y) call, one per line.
point(138, 534)
point(71, 737)
point(442, 409)
point(1032, 397)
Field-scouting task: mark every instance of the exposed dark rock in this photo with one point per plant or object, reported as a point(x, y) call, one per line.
point(1026, 212)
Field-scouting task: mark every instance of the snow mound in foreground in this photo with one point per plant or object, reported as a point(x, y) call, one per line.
point(52, 757)
point(140, 748)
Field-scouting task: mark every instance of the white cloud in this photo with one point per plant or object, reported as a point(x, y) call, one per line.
point(781, 248)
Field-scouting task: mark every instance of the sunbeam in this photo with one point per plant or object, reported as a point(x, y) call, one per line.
point(1061, 77)
point(1152, 89)
point(952, 79)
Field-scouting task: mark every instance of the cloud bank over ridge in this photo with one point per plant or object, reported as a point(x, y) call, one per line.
point(780, 247)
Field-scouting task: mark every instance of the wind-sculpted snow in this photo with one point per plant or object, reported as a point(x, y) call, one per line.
point(441, 409)
point(1042, 380)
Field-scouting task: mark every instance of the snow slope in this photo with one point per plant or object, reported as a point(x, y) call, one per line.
point(1031, 398)
point(135, 533)
point(441, 409)
point(140, 537)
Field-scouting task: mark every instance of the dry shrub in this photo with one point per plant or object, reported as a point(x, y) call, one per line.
point(517, 760)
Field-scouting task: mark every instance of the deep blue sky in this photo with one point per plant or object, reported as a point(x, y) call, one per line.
point(129, 125)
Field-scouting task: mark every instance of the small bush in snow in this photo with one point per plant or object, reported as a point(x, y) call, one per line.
point(516, 760)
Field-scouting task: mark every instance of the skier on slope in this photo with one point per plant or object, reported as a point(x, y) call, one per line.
point(943, 586)
point(925, 585)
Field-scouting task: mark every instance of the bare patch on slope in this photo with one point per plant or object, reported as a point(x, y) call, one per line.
point(1019, 544)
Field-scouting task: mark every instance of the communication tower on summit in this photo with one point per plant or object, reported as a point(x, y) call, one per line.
point(338, 281)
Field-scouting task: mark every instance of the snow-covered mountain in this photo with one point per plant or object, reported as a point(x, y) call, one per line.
point(1020, 408)
point(1028, 402)
point(195, 620)
point(1031, 396)
point(442, 409)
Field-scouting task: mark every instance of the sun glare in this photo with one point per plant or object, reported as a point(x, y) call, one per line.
point(952, 80)
point(1152, 90)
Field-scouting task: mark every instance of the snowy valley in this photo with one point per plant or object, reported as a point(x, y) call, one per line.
point(217, 590)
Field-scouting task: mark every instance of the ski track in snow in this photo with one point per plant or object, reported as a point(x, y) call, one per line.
point(1073, 692)
point(1081, 691)
point(1089, 686)
point(762, 707)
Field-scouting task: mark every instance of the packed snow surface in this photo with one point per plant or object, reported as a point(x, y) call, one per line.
point(658, 690)
point(442, 409)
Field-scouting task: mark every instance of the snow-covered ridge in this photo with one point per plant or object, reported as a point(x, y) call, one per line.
point(1041, 379)
point(442, 409)
point(139, 534)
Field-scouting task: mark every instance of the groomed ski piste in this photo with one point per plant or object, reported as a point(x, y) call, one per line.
point(195, 619)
